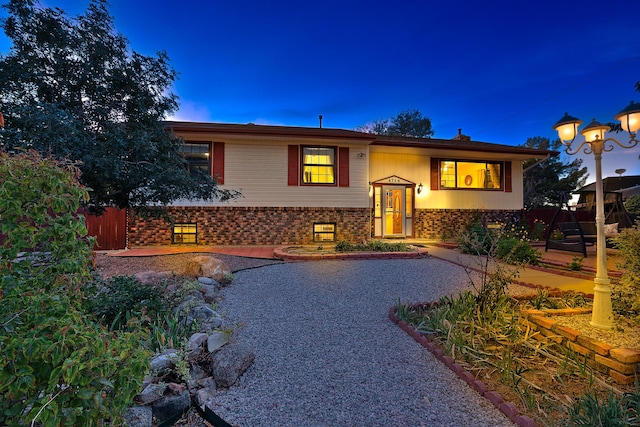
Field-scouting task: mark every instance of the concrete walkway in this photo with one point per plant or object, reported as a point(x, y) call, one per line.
point(528, 276)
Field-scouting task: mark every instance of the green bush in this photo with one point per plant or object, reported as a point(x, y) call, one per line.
point(344, 246)
point(516, 251)
point(632, 204)
point(626, 299)
point(118, 300)
point(57, 366)
point(372, 246)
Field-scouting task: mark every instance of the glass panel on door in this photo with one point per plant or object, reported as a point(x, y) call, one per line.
point(394, 211)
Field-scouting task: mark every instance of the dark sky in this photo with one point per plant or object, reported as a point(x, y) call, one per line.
point(502, 71)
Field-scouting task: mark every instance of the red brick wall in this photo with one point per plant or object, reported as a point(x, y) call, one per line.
point(442, 224)
point(250, 225)
point(286, 226)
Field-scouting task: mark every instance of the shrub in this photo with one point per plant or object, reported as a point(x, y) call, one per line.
point(516, 251)
point(576, 263)
point(632, 204)
point(476, 239)
point(119, 299)
point(627, 294)
point(372, 246)
point(57, 367)
point(344, 246)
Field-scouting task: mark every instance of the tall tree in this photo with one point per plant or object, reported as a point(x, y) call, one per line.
point(544, 182)
point(406, 123)
point(73, 88)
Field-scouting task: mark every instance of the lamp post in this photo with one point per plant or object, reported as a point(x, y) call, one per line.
point(595, 142)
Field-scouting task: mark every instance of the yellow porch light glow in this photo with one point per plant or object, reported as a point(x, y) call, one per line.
point(594, 131)
point(567, 128)
point(630, 118)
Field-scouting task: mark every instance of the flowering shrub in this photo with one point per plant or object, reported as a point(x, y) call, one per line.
point(57, 366)
point(517, 251)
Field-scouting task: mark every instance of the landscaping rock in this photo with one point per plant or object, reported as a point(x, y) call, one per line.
point(197, 374)
point(208, 319)
point(196, 340)
point(230, 362)
point(151, 393)
point(171, 405)
point(207, 266)
point(139, 416)
point(189, 302)
point(164, 361)
point(208, 281)
point(205, 396)
point(216, 340)
point(209, 293)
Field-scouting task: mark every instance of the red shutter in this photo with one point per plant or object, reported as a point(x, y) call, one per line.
point(293, 165)
point(507, 177)
point(218, 162)
point(343, 166)
point(435, 165)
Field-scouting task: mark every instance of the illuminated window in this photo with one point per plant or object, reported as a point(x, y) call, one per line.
point(470, 174)
point(198, 156)
point(324, 232)
point(185, 233)
point(318, 165)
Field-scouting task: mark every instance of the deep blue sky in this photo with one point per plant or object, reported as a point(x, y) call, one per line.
point(502, 71)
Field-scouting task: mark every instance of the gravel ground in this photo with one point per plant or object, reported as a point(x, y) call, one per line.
point(328, 355)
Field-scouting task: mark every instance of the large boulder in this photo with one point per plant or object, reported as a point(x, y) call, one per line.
point(208, 266)
point(230, 362)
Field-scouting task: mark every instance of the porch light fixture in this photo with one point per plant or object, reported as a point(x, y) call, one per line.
point(419, 188)
point(596, 143)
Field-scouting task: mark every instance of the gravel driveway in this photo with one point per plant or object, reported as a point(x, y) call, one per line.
point(328, 355)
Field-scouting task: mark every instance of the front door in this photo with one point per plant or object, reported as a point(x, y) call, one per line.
point(394, 212)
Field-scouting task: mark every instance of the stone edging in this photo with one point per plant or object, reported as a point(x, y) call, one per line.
point(507, 408)
point(283, 254)
point(620, 363)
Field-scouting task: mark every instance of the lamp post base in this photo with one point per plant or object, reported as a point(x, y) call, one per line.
point(602, 314)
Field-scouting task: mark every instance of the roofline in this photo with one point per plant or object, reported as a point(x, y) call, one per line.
point(455, 144)
point(372, 139)
point(250, 128)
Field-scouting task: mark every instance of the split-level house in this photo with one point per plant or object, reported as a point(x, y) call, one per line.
point(309, 185)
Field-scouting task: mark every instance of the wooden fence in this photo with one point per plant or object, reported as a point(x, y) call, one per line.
point(109, 229)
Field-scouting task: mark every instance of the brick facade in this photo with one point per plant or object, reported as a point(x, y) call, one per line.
point(285, 226)
point(443, 224)
point(250, 225)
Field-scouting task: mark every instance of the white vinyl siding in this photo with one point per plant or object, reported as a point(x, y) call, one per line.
point(259, 170)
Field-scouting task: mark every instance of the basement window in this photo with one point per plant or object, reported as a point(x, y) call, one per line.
point(185, 233)
point(324, 232)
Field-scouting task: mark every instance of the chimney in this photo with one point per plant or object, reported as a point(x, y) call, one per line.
point(461, 137)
